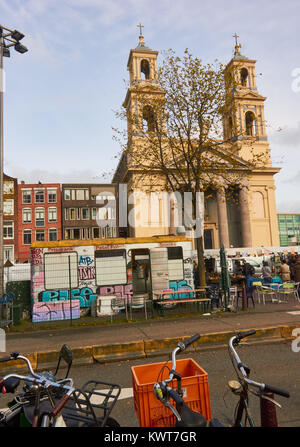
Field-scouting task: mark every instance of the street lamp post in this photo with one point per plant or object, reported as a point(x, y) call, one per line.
point(8, 38)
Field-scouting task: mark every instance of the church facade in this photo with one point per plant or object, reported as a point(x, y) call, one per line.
point(248, 221)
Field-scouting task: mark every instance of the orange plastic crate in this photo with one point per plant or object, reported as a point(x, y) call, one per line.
point(150, 411)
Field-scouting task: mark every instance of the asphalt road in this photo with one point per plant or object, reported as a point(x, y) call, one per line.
point(275, 364)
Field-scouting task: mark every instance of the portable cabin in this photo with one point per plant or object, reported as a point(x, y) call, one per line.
point(85, 269)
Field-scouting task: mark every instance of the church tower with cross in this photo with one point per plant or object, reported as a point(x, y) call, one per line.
point(251, 220)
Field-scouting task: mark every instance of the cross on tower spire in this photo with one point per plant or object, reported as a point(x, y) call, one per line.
point(237, 45)
point(140, 26)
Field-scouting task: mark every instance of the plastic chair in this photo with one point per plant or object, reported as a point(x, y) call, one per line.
point(257, 290)
point(233, 299)
point(121, 304)
point(268, 292)
point(289, 288)
point(139, 301)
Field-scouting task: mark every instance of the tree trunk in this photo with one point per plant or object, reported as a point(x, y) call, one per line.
point(201, 263)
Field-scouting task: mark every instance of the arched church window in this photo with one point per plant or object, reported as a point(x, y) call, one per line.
point(250, 124)
point(145, 69)
point(148, 119)
point(244, 77)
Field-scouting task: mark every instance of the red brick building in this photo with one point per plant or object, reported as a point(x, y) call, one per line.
point(39, 215)
point(10, 218)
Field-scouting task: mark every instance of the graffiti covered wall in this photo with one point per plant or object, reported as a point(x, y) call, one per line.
point(50, 302)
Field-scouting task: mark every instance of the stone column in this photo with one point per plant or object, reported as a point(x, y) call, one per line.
point(222, 218)
point(245, 217)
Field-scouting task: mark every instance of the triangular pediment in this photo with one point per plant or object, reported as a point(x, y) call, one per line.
point(250, 94)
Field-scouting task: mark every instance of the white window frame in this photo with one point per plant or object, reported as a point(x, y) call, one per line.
point(28, 229)
point(51, 209)
point(49, 232)
point(38, 191)
point(39, 210)
point(36, 235)
point(52, 191)
point(27, 210)
point(5, 222)
point(28, 192)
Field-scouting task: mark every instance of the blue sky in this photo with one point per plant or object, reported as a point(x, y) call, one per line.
point(60, 96)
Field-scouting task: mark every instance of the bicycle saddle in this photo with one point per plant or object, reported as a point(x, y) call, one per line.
point(190, 418)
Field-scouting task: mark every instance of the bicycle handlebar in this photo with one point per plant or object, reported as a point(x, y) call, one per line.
point(275, 390)
point(242, 367)
point(191, 340)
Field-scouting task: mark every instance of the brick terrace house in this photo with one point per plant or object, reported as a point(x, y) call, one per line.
point(80, 210)
point(39, 210)
point(10, 218)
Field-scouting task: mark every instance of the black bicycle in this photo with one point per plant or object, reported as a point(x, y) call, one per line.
point(47, 401)
point(243, 386)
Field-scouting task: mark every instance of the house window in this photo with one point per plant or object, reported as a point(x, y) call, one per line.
point(26, 215)
point(94, 213)
point(52, 196)
point(8, 230)
point(40, 196)
point(53, 234)
point(8, 207)
point(8, 253)
point(78, 213)
point(76, 233)
point(40, 235)
point(67, 194)
point(66, 214)
point(40, 217)
point(85, 233)
point(80, 194)
point(27, 237)
point(26, 197)
point(52, 214)
point(85, 213)
point(96, 233)
point(68, 234)
point(72, 213)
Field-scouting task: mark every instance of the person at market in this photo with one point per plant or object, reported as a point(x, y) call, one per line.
point(248, 271)
point(237, 268)
point(285, 271)
point(266, 272)
point(196, 276)
point(296, 270)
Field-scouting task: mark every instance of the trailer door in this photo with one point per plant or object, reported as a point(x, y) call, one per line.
point(159, 269)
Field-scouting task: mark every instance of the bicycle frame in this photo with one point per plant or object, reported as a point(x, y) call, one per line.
point(241, 388)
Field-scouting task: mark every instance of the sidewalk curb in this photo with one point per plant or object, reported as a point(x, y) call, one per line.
point(147, 348)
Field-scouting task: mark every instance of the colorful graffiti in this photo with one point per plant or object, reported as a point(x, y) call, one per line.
point(119, 291)
point(85, 260)
point(85, 296)
point(56, 310)
point(37, 256)
point(86, 273)
point(177, 285)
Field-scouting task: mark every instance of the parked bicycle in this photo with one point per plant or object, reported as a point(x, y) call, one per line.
point(243, 386)
point(185, 417)
point(47, 401)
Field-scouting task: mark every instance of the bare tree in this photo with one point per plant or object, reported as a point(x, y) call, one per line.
point(176, 138)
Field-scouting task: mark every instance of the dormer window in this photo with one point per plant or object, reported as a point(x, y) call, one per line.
point(244, 77)
point(145, 69)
